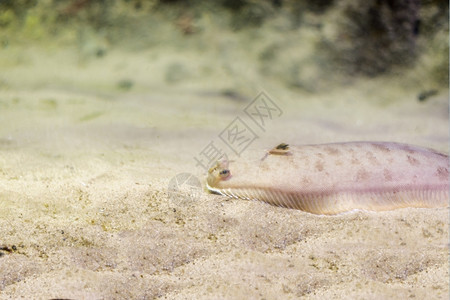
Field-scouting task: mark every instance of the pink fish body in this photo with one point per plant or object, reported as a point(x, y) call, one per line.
point(340, 177)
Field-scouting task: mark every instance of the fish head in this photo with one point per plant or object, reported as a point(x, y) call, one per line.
point(218, 173)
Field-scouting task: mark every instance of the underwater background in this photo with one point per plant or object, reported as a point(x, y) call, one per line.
point(111, 112)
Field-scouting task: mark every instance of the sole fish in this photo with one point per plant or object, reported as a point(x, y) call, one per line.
point(334, 178)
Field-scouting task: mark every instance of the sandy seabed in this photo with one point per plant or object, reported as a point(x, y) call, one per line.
point(85, 210)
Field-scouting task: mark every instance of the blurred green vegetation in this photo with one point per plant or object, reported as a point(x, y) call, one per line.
point(365, 38)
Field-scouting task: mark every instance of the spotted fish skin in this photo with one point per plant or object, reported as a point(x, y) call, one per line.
point(339, 177)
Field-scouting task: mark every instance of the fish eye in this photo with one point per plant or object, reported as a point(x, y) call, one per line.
point(224, 173)
point(283, 146)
